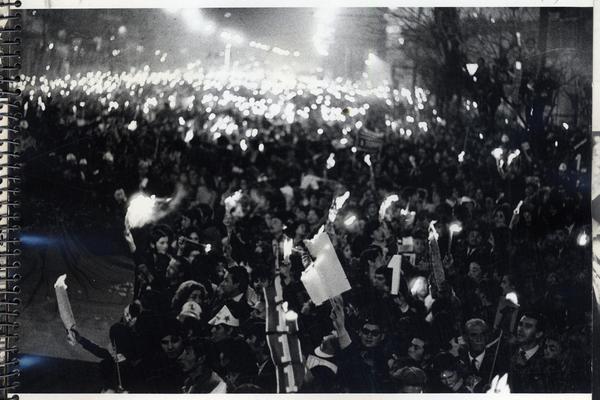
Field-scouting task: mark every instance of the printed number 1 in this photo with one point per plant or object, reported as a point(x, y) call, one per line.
point(291, 381)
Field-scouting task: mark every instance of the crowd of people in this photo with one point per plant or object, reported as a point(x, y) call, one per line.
point(513, 234)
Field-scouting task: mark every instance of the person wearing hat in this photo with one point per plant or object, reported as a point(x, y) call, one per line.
point(410, 380)
point(225, 336)
point(199, 376)
point(322, 367)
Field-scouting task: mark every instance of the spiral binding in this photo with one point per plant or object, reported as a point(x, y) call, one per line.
point(10, 116)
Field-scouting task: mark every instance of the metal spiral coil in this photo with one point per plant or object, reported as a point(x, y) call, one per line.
point(10, 60)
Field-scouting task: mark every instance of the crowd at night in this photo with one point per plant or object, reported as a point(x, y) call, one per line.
point(242, 163)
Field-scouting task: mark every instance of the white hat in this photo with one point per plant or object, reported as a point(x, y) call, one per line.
point(190, 309)
point(224, 317)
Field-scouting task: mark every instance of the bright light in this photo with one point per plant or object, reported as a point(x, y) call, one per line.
point(565, 125)
point(331, 161)
point(461, 156)
point(358, 124)
point(455, 227)
point(344, 141)
point(261, 147)
point(583, 239)
point(367, 160)
point(243, 145)
point(386, 204)
point(350, 220)
point(353, 149)
point(518, 65)
point(340, 200)
point(512, 156)
point(122, 30)
point(140, 210)
point(512, 297)
point(497, 153)
point(181, 121)
point(132, 126)
point(189, 135)
point(472, 68)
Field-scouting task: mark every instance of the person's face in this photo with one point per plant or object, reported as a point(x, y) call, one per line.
point(196, 296)
point(379, 282)
point(527, 332)
point(378, 234)
point(186, 222)
point(187, 360)
point(371, 335)
point(348, 252)
point(194, 236)
point(219, 333)
point(416, 349)
point(499, 219)
point(474, 238)
point(259, 284)
point(476, 339)
point(312, 217)
point(171, 345)
point(552, 349)
point(506, 285)
point(227, 286)
point(301, 230)
point(276, 226)
point(449, 378)
point(419, 246)
point(475, 271)
point(162, 245)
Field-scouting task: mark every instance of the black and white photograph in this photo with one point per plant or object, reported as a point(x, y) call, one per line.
point(307, 200)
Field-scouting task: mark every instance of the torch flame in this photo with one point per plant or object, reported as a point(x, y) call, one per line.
point(433, 235)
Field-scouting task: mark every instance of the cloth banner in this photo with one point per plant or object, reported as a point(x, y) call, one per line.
point(369, 141)
point(282, 338)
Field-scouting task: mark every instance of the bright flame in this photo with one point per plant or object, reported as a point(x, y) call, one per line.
point(140, 210)
point(233, 200)
point(288, 244)
point(331, 161)
point(512, 156)
point(433, 235)
point(386, 204)
point(455, 227)
point(189, 135)
point(497, 153)
point(512, 297)
point(340, 200)
point(583, 239)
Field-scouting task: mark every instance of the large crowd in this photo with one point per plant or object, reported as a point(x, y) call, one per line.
point(513, 224)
